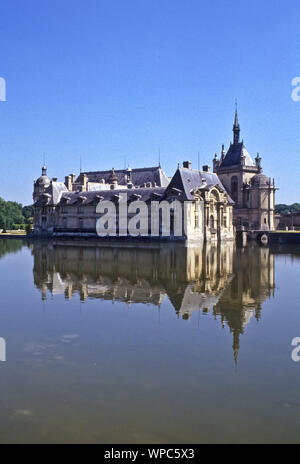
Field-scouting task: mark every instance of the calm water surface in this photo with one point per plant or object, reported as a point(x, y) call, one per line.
point(148, 345)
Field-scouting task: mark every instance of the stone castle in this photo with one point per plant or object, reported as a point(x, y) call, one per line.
point(236, 195)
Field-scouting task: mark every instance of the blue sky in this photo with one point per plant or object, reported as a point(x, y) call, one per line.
point(115, 80)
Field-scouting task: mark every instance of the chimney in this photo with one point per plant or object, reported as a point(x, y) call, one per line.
point(85, 181)
point(206, 168)
point(68, 182)
point(187, 164)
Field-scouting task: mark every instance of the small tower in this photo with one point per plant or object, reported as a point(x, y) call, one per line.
point(129, 178)
point(216, 163)
point(258, 162)
point(222, 153)
point(41, 184)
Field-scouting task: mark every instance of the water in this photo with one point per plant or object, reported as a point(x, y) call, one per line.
point(148, 345)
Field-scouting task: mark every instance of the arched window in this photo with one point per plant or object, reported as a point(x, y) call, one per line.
point(234, 188)
point(212, 222)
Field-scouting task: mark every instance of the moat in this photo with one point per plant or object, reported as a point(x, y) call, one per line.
point(149, 344)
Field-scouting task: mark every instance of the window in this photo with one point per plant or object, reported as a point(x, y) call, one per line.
point(196, 220)
point(212, 222)
point(172, 221)
point(234, 188)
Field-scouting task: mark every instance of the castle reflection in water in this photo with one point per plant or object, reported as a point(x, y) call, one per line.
point(228, 281)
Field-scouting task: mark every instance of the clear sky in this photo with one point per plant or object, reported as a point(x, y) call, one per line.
point(114, 80)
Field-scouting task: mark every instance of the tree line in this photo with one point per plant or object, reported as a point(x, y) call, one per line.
point(285, 209)
point(14, 216)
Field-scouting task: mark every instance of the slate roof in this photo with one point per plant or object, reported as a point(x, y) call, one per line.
point(53, 192)
point(184, 179)
point(187, 180)
point(234, 154)
point(143, 194)
point(139, 176)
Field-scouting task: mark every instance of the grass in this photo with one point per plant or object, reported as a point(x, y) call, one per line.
point(14, 232)
point(285, 231)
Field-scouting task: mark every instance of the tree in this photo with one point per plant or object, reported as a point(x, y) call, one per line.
point(12, 214)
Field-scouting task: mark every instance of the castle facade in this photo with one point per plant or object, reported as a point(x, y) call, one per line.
point(192, 205)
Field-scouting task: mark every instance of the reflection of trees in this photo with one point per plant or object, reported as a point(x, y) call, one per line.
point(231, 283)
point(10, 246)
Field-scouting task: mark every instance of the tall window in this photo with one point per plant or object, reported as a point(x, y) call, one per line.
point(172, 221)
point(234, 188)
point(196, 220)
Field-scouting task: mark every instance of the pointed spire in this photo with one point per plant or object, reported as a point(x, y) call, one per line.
point(236, 127)
point(236, 346)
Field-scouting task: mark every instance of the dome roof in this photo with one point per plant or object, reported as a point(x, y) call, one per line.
point(43, 180)
point(260, 180)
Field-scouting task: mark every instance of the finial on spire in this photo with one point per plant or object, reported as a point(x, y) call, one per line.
point(44, 169)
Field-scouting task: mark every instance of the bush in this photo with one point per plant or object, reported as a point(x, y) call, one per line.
point(18, 227)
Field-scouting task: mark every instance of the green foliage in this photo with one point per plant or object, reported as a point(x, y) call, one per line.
point(28, 228)
point(27, 212)
point(13, 216)
point(285, 209)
